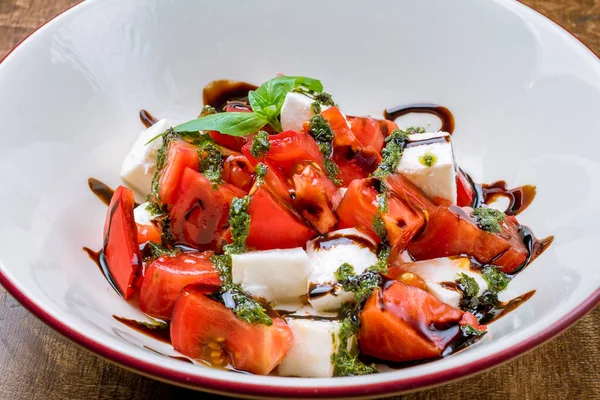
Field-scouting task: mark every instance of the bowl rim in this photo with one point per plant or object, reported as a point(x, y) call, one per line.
point(225, 387)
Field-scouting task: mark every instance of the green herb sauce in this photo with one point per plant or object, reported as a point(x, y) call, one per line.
point(497, 280)
point(428, 159)
point(468, 285)
point(489, 219)
point(260, 145)
point(320, 130)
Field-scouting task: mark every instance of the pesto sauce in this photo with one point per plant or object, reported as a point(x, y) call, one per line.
point(497, 280)
point(428, 159)
point(489, 219)
point(392, 152)
point(260, 145)
point(261, 171)
point(239, 220)
point(344, 272)
point(320, 130)
point(211, 162)
point(468, 285)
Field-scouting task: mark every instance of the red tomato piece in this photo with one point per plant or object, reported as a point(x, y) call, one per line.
point(405, 323)
point(148, 233)
point(355, 163)
point(342, 134)
point(470, 319)
point(315, 198)
point(166, 277)
point(450, 231)
point(369, 132)
point(238, 172)
point(273, 225)
point(201, 213)
point(181, 155)
point(203, 328)
point(465, 192)
point(359, 207)
point(121, 248)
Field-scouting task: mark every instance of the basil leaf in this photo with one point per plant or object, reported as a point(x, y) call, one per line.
point(269, 97)
point(230, 123)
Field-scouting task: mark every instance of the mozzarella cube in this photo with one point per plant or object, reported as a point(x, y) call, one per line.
point(438, 271)
point(139, 165)
point(279, 276)
point(141, 215)
point(296, 110)
point(326, 254)
point(315, 341)
point(428, 162)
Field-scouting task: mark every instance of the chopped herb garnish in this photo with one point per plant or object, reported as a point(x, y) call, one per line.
point(344, 272)
point(468, 285)
point(244, 306)
point(489, 219)
point(157, 250)
point(378, 223)
point(261, 171)
point(382, 259)
point(315, 106)
point(222, 264)
point(324, 99)
point(497, 280)
point(211, 162)
point(428, 159)
point(207, 110)
point(361, 285)
point(392, 152)
point(345, 360)
point(260, 144)
point(239, 220)
point(320, 130)
point(469, 330)
point(415, 129)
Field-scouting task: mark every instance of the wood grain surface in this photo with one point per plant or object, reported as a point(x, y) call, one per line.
point(38, 363)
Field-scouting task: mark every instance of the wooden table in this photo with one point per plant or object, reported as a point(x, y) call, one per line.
point(38, 363)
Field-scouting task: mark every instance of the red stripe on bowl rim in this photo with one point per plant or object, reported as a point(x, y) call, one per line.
point(245, 389)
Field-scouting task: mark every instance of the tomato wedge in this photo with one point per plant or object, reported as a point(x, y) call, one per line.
point(201, 213)
point(166, 277)
point(203, 328)
point(181, 155)
point(273, 226)
point(451, 231)
point(121, 248)
point(465, 192)
point(238, 172)
point(405, 323)
point(355, 160)
point(371, 132)
point(358, 208)
point(315, 198)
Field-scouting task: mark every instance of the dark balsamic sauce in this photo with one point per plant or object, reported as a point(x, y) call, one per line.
point(327, 241)
point(439, 139)
point(510, 305)
point(100, 260)
point(441, 112)
point(147, 119)
point(218, 93)
point(315, 291)
point(159, 332)
point(184, 359)
point(101, 190)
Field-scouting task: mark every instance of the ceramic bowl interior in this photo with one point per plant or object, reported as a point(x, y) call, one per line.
point(525, 95)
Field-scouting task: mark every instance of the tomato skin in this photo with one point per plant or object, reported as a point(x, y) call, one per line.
point(166, 277)
point(451, 231)
point(465, 192)
point(371, 132)
point(273, 226)
point(201, 327)
point(201, 213)
point(315, 198)
point(121, 247)
point(359, 207)
point(238, 172)
point(396, 324)
point(148, 233)
point(355, 160)
point(181, 155)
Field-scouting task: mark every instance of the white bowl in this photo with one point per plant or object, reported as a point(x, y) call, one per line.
point(524, 92)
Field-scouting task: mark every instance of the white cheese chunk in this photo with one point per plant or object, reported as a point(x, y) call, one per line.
point(296, 110)
point(279, 276)
point(141, 215)
point(430, 165)
point(435, 272)
point(326, 254)
point(140, 163)
point(315, 341)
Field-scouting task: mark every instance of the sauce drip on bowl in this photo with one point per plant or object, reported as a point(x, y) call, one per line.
point(157, 331)
point(147, 119)
point(218, 93)
point(101, 190)
point(444, 114)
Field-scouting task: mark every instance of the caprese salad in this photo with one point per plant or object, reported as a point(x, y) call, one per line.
point(281, 236)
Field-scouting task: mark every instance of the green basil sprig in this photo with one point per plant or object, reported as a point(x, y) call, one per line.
point(266, 102)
